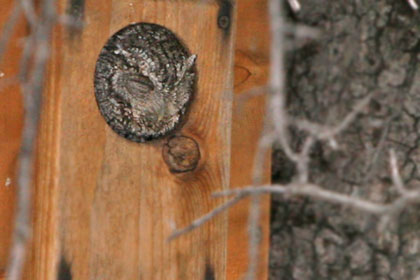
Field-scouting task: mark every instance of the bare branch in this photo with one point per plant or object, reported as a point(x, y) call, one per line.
point(302, 31)
point(396, 178)
point(264, 144)
point(317, 192)
point(197, 223)
point(71, 21)
point(248, 94)
point(27, 53)
point(254, 216)
point(322, 132)
point(303, 160)
point(277, 108)
point(360, 106)
point(295, 5)
point(32, 90)
point(29, 11)
point(371, 165)
point(413, 4)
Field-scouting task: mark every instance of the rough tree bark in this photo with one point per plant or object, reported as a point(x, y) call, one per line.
point(365, 46)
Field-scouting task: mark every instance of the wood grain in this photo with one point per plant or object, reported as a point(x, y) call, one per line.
point(11, 121)
point(251, 71)
point(105, 206)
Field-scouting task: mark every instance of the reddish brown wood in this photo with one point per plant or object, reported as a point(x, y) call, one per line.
point(11, 121)
point(251, 71)
point(105, 206)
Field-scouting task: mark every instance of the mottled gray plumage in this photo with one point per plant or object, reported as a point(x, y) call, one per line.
point(144, 80)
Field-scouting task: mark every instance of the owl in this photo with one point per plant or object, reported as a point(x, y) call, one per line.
point(144, 81)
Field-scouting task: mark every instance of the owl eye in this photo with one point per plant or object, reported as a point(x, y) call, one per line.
point(139, 84)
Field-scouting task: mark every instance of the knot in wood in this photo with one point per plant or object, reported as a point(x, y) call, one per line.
point(223, 22)
point(181, 154)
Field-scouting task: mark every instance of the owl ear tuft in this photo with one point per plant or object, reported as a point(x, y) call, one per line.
point(189, 62)
point(187, 65)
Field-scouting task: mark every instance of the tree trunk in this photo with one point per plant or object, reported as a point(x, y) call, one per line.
point(365, 47)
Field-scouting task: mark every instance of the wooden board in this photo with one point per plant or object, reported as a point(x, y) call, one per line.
point(11, 121)
point(251, 71)
point(105, 206)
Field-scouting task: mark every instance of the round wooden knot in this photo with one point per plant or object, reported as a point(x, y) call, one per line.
point(181, 154)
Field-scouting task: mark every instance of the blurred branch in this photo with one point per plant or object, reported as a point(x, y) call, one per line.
point(29, 11)
point(36, 50)
point(396, 178)
point(323, 132)
point(413, 4)
point(295, 5)
point(197, 223)
point(314, 191)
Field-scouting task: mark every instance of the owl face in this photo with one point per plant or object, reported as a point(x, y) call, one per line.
point(129, 85)
point(151, 106)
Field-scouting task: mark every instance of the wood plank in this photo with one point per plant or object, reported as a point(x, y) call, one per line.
point(114, 202)
point(43, 252)
point(251, 71)
point(11, 121)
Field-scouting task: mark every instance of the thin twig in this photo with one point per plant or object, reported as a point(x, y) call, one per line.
point(277, 107)
point(413, 4)
point(29, 11)
point(71, 21)
point(254, 236)
point(319, 193)
point(301, 31)
point(344, 124)
point(302, 163)
point(295, 5)
point(197, 223)
point(243, 97)
point(372, 163)
point(25, 59)
point(396, 178)
point(264, 144)
point(323, 132)
point(255, 91)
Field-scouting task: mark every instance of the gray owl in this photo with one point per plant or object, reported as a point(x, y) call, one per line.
point(144, 81)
